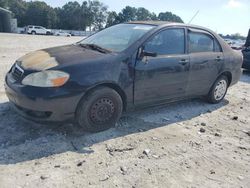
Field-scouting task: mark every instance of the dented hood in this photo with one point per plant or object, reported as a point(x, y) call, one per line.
point(59, 56)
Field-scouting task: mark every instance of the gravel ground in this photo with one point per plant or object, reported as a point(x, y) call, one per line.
point(186, 144)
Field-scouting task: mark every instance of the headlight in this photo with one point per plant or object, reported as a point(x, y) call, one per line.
point(50, 78)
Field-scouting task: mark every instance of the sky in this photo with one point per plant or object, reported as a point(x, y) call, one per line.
point(222, 16)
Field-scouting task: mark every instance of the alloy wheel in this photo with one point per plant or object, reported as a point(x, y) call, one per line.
point(220, 90)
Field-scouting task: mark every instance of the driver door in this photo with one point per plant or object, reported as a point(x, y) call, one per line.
point(164, 76)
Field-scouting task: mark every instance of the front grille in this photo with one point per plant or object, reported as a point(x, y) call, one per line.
point(17, 72)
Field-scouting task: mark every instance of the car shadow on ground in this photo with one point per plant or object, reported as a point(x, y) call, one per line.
point(22, 140)
point(245, 76)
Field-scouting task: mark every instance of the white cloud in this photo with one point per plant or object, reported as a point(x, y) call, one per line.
point(234, 4)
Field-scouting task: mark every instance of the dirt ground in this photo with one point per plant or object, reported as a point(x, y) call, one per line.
point(188, 144)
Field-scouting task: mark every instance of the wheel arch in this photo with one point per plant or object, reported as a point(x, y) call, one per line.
point(228, 75)
point(113, 86)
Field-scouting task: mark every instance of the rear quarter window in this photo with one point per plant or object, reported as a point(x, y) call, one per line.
point(217, 46)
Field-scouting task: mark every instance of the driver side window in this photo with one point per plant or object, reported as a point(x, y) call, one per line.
point(167, 42)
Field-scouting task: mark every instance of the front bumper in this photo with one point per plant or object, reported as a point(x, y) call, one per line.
point(42, 104)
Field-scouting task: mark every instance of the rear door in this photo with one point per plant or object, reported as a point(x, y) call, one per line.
point(165, 75)
point(206, 61)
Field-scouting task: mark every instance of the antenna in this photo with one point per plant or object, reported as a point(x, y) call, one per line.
point(194, 16)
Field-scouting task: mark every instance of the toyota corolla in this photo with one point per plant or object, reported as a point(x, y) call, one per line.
point(124, 67)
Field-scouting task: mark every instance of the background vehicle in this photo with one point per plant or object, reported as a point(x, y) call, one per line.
point(235, 44)
point(62, 33)
point(38, 30)
point(124, 67)
point(246, 53)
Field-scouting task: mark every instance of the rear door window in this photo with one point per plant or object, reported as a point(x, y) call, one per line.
point(200, 42)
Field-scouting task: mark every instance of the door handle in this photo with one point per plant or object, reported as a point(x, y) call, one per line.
point(218, 58)
point(184, 61)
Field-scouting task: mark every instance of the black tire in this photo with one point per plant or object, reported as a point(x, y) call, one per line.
point(33, 32)
point(211, 97)
point(99, 110)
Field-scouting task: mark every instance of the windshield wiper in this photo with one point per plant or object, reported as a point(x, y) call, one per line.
point(96, 47)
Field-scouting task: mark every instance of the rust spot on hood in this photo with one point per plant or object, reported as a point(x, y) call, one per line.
point(38, 60)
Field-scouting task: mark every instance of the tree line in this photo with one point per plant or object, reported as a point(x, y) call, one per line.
point(76, 16)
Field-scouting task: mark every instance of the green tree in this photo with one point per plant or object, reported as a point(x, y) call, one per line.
point(98, 14)
point(70, 16)
point(85, 15)
point(17, 7)
point(168, 16)
point(154, 16)
point(39, 13)
point(4, 3)
point(127, 14)
point(112, 19)
point(143, 14)
point(75, 16)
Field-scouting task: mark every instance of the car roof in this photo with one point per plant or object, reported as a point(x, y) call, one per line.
point(166, 23)
point(151, 22)
point(162, 24)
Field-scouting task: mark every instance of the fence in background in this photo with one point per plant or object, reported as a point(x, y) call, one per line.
point(72, 32)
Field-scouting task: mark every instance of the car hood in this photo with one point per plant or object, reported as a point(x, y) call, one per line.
point(59, 57)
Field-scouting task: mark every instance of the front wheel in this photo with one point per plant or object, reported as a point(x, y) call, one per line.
point(99, 110)
point(218, 90)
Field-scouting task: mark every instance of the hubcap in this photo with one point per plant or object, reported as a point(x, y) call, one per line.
point(102, 110)
point(220, 90)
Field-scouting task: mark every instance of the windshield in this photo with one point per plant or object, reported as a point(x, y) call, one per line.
point(118, 37)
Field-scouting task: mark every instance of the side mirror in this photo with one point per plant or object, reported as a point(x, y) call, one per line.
point(143, 53)
point(149, 54)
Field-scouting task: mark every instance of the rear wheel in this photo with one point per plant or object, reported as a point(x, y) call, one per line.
point(218, 90)
point(99, 110)
point(33, 32)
